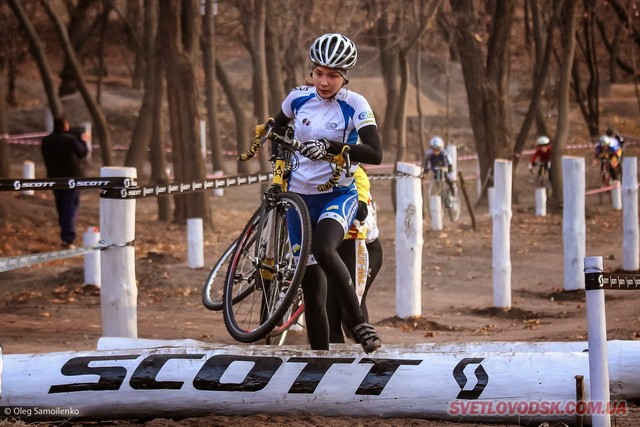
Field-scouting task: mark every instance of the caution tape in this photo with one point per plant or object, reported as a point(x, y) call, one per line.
point(601, 280)
point(65, 183)
point(20, 261)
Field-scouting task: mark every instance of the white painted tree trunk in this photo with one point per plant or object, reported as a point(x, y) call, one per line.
point(195, 243)
point(574, 228)
point(501, 248)
point(631, 233)
point(409, 242)
point(119, 293)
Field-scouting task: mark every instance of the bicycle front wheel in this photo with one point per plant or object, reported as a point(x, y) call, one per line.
point(453, 205)
point(264, 276)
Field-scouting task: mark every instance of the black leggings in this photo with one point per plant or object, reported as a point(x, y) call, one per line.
point(330, 277)
point(347, 252)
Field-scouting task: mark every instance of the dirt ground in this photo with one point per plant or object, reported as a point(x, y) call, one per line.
point(46, 308)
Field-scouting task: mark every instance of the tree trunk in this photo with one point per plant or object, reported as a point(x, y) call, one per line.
point(569, 46)
point(211, 92)
point(242, 134)
point(5, 152)
point(141, 137)
point(37, 51)
point(99, 120)
point(181, 25)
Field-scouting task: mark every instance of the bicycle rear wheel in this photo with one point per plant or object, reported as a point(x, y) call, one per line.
point(264, 276)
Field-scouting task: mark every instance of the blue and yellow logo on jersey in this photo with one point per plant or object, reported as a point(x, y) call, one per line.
point(365, 115)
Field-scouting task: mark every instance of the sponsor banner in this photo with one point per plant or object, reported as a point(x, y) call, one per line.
point(181, 382)
point(65, 183)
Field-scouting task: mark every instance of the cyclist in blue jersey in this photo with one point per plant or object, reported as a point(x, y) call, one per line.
point(328, 116)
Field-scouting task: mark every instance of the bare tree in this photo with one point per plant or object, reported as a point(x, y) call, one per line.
point(38, 53)
point(181, 24)
point(5, 153)
point(99, 120)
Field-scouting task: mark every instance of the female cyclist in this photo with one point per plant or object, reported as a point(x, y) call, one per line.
point(328, 116)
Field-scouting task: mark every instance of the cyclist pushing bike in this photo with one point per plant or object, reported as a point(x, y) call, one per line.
point(329, 117)
point(609, 152)
point(437, 158)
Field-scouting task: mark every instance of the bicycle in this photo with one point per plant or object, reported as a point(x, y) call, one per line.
point(261, 297)
point(439, 186)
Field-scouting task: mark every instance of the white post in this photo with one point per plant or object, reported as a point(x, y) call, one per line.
point(490, 193)
point(453, 155)
point(203, 139)
point(479, 181)
point(28, 172)
point(435, 209)
point(616, 196)
point(119, 294)
point(541, 201)
point(501, 214)
point(195, 243)
point(48, 120)
point(597, 337)
point(409, 242)
point(88, 130)
point(630, 238)
point(574, 227)
point(91, 238)
point(219, 192)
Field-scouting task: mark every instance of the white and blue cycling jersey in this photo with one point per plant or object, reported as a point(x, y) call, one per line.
point(337, 119)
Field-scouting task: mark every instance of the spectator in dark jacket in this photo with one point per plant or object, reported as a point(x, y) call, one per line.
point(64, 155)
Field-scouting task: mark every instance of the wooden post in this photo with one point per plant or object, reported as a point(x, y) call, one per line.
point(501, 214)
point(574, 227)
point(597, 335)
point(119, 294)
point(92, 273)
point(631, 233)
point(409, 242)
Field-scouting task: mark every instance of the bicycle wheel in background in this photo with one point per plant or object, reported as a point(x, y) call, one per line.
point(453, 204)
point(213, 289)
point(263, 276)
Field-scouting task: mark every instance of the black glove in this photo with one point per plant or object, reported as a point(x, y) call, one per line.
point(363, 211)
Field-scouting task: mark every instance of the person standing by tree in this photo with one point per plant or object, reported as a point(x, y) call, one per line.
point(329, 117)
point(64, 155)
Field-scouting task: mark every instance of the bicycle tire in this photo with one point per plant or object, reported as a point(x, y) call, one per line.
point(278, 334)
point(259, 291)
point(453, 206)
point(212, 290)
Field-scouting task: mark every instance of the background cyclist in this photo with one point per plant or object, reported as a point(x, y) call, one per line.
point(328, 116)
point(609, 148)
point(542, 156)
point(437, 157)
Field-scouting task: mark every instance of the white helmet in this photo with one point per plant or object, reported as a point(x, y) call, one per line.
point(437, 143)
point(333, 51)
point(543, 140)
point(605, 141)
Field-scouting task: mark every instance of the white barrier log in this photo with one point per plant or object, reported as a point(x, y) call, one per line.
point(195, 243)
point(541, 201)
point(409, 242)
point(623, 355)
point(574, 226)
point(597, 335)
point(631, 231)
point(435, 210)
point(92, 274)
point(501, 248)
point(28, 172)
point(119, 294)
point(187, 382)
